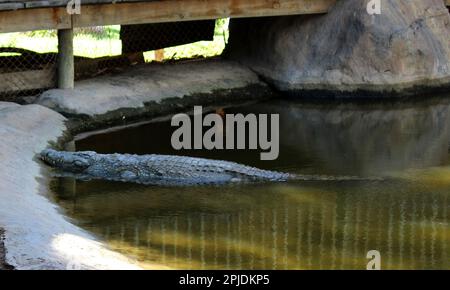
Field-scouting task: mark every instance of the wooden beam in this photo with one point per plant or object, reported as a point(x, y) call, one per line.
point(27, 80)
point(154, 12)
point(185, 10)
point(34, 19)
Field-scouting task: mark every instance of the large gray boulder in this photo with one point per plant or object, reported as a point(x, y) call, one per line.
point(405, 49)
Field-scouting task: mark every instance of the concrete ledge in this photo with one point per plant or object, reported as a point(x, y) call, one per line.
point(408, 89)
point(150, 90)
point(36, 235)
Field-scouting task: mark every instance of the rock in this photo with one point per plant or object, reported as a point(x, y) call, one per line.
point(404, 50)
point(36, 235)
point(3, 264)
point(157, 89)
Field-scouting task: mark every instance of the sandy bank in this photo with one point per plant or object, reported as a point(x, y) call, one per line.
point(36, 235)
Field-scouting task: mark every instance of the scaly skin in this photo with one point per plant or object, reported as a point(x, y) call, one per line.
point(162, 169)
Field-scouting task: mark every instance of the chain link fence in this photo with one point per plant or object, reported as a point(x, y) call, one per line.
point(27, 63)
point(28, 60)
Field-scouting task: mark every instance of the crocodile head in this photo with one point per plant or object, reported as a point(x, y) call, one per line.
point(75, 162)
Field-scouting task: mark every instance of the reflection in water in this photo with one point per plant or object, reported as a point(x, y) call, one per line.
point(369, 139)
point(300, 225)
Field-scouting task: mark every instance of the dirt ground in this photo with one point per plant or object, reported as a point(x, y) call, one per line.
point(3, 265)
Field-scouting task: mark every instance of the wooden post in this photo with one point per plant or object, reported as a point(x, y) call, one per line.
point(66, 70)
point(159, 55)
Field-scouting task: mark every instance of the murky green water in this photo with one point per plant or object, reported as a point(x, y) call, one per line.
point(300, 225)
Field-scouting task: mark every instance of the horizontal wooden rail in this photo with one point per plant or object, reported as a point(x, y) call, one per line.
point(154, 12)
point(34, 19)
point(184, 10)
point(27, 80)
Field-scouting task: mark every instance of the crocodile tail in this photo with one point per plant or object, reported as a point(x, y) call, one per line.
point(332, 178)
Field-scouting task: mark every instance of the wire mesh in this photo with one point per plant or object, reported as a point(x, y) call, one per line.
point(27, 66)
point(28, 59)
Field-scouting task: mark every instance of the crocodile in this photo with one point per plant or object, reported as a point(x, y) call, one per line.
point(163, 169)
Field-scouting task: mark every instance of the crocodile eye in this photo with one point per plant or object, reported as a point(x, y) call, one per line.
point(78, 163)
point(128, 175)
point(81, 163)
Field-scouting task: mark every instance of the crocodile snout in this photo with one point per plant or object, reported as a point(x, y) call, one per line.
point(47, 157)
point(70, 161)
